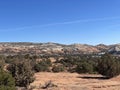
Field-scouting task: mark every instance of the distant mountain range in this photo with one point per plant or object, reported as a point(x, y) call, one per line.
point(56, 48)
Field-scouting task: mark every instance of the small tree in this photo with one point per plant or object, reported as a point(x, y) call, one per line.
point(22, 72)
point(109, 66)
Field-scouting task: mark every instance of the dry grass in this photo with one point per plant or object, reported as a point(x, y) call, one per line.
point(74, 81)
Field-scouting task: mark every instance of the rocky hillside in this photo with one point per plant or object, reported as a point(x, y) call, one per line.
point(55, 48)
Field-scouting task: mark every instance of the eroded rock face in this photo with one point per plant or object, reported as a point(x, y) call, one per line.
point(55, 48)
point(102, 47)
point(115, 49)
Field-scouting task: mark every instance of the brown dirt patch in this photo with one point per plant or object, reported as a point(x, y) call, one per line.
point(74, 81)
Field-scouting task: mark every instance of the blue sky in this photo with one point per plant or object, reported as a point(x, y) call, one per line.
point(61, 21)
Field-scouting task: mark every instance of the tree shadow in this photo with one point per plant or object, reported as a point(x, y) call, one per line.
point(94, 77)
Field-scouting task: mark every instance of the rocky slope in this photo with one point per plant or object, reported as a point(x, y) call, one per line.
point(55, 48)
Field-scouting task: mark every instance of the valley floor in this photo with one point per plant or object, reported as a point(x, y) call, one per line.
point(74, 81)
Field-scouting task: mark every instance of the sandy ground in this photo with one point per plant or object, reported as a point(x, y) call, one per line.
point(74, 81)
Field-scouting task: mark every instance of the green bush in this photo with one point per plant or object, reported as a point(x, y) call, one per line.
point(59, 68)
point(109, 66)
point(43, 66)
point(84, 67)
point(7, 82)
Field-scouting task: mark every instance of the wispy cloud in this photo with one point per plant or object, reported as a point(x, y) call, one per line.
point(61, 23)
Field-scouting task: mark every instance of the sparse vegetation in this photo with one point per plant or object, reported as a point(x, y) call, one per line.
point(21, 67)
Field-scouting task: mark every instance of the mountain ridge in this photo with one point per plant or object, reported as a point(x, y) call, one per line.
point(51, 48)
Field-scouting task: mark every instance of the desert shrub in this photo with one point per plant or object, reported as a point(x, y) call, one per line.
point(70, 62)
point(92, 65)
point(109, 66)
point(78, 62)
point(43, 65)
point(11, 59)
point(7, 82)
point(84, 67)
point(59, 68)
point(22, 72)
point(2, 63)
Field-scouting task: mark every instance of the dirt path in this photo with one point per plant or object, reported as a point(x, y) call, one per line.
point(74, 81)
